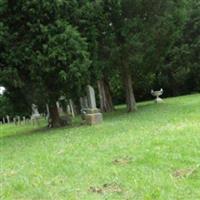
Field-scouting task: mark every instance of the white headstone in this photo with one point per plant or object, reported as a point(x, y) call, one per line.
point(71, 108)
point(8, 119)
point(18, 120)
point(91, 97)
point(24, 119)
point(35, 114)
point(14, 120)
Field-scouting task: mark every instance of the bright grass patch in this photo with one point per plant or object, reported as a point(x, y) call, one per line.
point(148, 155)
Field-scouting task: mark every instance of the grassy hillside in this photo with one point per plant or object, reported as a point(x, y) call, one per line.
point(151, 154)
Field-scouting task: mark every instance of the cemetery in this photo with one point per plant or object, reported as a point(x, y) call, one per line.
point(158, 147)
point(100, 100)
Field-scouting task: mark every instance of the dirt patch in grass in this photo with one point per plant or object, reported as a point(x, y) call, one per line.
point(185, 172)
point(122, 161)
point(7, 174)
point(106, 188)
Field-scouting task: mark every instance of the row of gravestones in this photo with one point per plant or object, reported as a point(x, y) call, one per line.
point(16, 120)
point(90, 113)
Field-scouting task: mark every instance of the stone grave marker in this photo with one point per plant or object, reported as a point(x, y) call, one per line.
point(92, 114)
point(8, 118)
point(18, 120)
point(35, 114)
point(24, 120)
point(14, 120)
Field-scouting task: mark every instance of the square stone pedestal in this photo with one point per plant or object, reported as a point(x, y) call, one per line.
point(94, 118)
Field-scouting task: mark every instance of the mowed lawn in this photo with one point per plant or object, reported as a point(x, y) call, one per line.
point(148, 155)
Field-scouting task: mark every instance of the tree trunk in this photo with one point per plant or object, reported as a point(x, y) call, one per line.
point(106, 104)
point(54, 116)
point(130, 98)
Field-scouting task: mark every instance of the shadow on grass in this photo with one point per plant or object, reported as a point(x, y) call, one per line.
point(120, 112)
point(41, 131)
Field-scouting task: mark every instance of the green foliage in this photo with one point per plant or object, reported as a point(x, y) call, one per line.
point(54, 48)
point(6, 106)
point(45, 56)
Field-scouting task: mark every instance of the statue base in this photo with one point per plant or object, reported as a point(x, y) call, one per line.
point(158, 100)
point(94, 118)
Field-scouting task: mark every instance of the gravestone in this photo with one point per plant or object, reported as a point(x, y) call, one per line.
point(92, 114)
point(14, 120)
point(24, 120)
point(18, 120)
point(71, 105)
point(91, 97)
point(157, 94)
point(48, 113)
point(35, 114)
point(28, 121)
point(8, 118)
point(68, 110)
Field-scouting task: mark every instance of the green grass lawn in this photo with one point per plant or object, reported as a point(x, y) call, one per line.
point(148, 155)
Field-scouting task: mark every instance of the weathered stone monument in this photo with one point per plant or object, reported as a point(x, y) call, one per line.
point(71, 106)
point(18, 120)
point(35, 114)
point(157, 94)
point(48, 113)
point(24, 120)
point(8, 118)
point(14, 120)
point(92, 114)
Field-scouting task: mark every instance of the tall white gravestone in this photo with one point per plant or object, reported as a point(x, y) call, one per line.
point(35, 114)
point(8, 118)
point(92, 114)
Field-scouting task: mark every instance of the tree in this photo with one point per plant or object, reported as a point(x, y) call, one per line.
point(45, 52)
point(94, 24)
point(190, 47)
point(132, 23)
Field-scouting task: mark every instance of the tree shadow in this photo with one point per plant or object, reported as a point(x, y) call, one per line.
point(119, 112)
point(41, 131)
